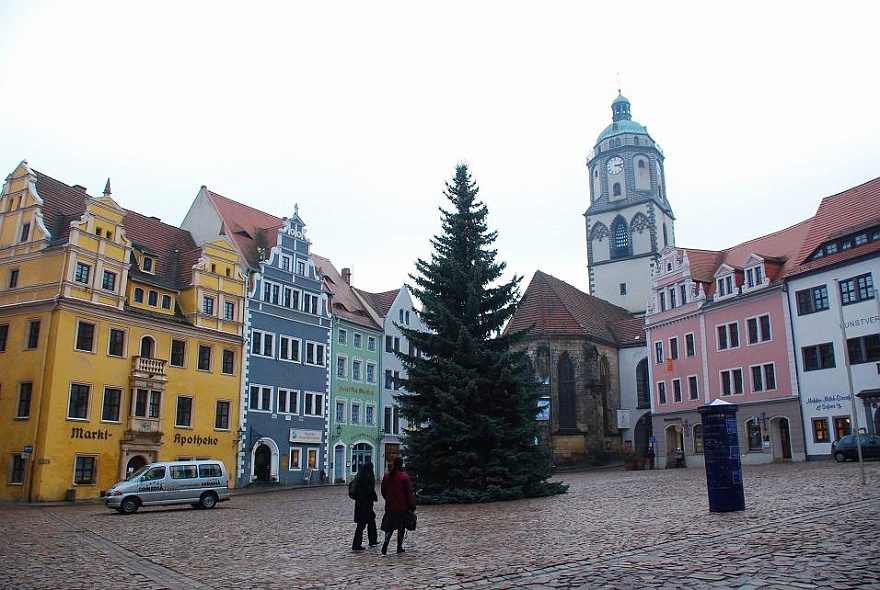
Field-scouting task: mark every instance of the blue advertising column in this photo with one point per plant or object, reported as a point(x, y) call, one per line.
point(721, 455)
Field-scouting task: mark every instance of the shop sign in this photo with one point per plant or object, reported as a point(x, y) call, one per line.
point(305, 436)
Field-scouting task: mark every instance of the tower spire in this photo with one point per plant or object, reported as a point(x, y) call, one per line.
point(107, 188)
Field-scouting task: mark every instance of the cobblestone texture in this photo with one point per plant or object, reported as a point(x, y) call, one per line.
point(806, 525)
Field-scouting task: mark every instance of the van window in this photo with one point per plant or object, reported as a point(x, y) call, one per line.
point(183, 472)
point(154, 474)
point(210, 470)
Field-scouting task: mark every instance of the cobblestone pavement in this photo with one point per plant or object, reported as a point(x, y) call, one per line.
point(806, 525)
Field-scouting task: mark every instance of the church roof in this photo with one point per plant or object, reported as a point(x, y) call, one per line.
point(553, 307)
point(621, 127)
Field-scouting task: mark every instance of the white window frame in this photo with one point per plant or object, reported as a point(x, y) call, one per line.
point(313, 399)
point(662, 397)
point(357, 373)
point(339, 411)
point(371, 343)
point(261, 389)
point(341, 367)
point(292, 397)
point(295, 451)
point(258, 341)
point(342, 336)
point(370, 374)
point(693, 387)
point(318, 356)
point(763, 385)
point(292, 344)
point(370, 414)
point(762, 338)
point(192, 411)
point(355, 412)
point(727, 376)
point(658, 353)
point(310, 303)
point(727, 333)
point(693, 340)
point(94, 326)
point(88, 404)
point(82, 268)
point(673, 348)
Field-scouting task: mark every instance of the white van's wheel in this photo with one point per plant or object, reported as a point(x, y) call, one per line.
point(129, 505)
point(209, 500)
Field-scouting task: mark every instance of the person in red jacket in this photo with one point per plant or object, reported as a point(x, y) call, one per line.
point(399, 500)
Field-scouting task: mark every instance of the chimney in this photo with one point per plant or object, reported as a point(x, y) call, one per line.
point(80, 188)
point(346, 275)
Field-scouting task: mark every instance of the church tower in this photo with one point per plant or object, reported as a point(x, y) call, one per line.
point(629, 221)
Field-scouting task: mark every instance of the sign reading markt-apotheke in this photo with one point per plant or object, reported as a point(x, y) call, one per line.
point(305, 436)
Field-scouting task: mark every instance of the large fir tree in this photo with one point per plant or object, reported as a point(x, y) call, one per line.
point(468, 398)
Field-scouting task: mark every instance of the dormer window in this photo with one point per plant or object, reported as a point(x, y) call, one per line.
point(754, 277)
point(725, 286)
point(148, 264)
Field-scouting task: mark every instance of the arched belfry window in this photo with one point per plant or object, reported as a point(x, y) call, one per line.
point(665, 236)
point(643, 394)
point(620, 245)
point(615, 189)
point(566, 389)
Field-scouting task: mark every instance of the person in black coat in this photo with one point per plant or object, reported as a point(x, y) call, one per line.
point(364, 516)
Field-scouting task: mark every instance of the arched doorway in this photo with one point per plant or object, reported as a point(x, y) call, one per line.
point(339, 464)
point(360, 454)
point(147, 346)
point(262, 464)
point(642, 434)
point(780, 439)
point(674, 443)
point(134, 464)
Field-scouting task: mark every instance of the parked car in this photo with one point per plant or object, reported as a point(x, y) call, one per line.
point(845, 448)
point(199, 483)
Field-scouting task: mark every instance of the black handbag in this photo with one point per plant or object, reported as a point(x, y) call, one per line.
point(411, 520)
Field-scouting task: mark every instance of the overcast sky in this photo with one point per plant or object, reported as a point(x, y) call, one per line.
point(358, 112)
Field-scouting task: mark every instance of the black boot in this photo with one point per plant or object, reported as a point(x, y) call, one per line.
point(385, 544)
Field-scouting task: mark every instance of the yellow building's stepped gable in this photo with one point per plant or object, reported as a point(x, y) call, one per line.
point(120, 337)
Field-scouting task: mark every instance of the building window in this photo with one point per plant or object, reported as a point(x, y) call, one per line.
point(288, 401)
point(856, 289)
point(643, 389)
point(698, 438)
point(25, 232)
point(658, 353)
point(81, 275)
point(85, 336)
point(295, 458)
point(300, 267)
point(183, 417)
point(288, 348)
point(166, 301)
point(13, 278)
point(725, 286)
point(689, 345)
point(228, 367)
point(310, 303)
point(263, 344)
point(178, 353)
point(662, 298)
point(313, 404)
point(622, 288)
point(391, 378)
point(676, 391)
point(864, 349)
point(221, 415)
point(370, 415)
point(33, 337)
point(371, 343)
point(392, 344)
point(391, 424)
point(661, 392)
point(78, 405)
point(108, 283)
point(842, 426)
point(356, 340)
point(615, 189)
point(148, 264)
point(204, 358)
point(111, 409)
point(355, 413)
point(4, 336)
point(818, 356)
point(147, 403)
point(620, 245)
point(371, 372)
point(260, 398)
point(693, 388)
point(228, 310)
point(820, 430)
point(812, 300)
point(759, 329)
point(343, 337)
point(356, 370)
point(285, 262)
point(339, 418)
point(753, 434)
point(16, 469)
point(728, 336)
point(754, 277)
point(764, 377)
point(341, 364)
point(84, 470)
point(153, 298)
point(208, 305)
point(116, 344)
point(673, 348)
point(271, 292)
point(25, 392)
point(138, 295)
point(731, 382)
point(315, 354)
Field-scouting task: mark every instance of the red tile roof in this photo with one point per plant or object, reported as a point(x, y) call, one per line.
point(847, 212)
point(554, 307)
point(250, 229)
point(380, 302)
point(174, 249)
point(344, 302)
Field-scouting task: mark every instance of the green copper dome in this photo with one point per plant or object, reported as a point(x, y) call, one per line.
point(622, 120)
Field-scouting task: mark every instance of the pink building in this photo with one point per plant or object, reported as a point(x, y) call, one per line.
point(718, 328)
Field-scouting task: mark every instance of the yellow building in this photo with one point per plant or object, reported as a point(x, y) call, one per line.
point(120, 341)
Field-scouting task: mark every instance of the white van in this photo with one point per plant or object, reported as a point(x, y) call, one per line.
point(199, 483)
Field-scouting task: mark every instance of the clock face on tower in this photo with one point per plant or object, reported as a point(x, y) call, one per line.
point(615, 165)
